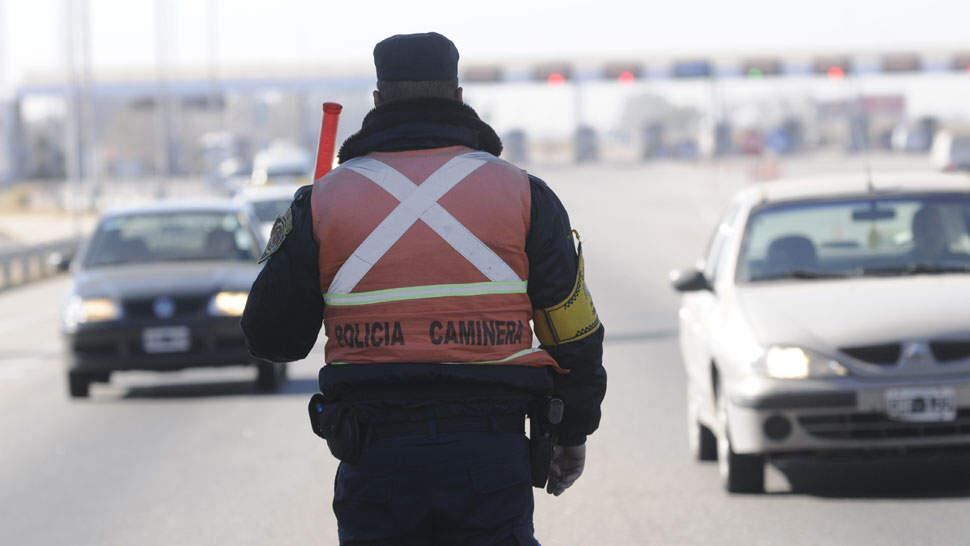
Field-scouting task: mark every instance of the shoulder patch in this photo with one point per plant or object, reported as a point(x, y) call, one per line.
point(281, 228)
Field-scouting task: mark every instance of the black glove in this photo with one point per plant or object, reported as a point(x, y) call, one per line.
point(566, 467)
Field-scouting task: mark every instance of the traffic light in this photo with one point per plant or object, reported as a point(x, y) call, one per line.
point(761, 68)
point(553, 73)
point(623, 72)
point(902, 62)
point(696, 68)
point(835, 68)
point(482, 74)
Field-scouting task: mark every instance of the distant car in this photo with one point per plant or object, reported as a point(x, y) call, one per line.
point(234, 174)
point(162, 288)
point(830, 316)
point(281, 164)
point(751, 142)
point(916, 137)
point(951, 151)
point(266, 203)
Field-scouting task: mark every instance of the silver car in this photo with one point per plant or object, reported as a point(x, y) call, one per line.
point(830, 315)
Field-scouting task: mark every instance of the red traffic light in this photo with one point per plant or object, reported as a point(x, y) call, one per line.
point(553, 73)
point(556, 78)
point(835, 68)
point(626, 77)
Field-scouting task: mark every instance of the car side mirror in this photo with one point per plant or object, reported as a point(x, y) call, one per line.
point(689, 280)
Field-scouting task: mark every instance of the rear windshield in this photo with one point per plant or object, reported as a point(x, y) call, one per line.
point(287, 170)
point(170, 237)
point(960, 152)
point(268, 210)
point(858, 237)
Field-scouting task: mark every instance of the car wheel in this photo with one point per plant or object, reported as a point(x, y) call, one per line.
point(78, 385)
point(739, 473)
point(270, 375)
point(701, 441)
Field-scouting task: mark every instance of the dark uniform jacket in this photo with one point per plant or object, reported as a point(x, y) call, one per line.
point(285, 309)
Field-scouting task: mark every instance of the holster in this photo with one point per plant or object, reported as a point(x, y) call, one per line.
point(336, 424)
point(545, 414)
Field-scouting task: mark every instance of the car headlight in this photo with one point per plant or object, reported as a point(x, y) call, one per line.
point(86, 310)
point(228, 304)
point(786, 362)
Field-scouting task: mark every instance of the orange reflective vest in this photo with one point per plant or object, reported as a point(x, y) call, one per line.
point(422, 259)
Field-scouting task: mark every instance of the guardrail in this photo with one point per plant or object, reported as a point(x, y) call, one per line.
point(20, 266)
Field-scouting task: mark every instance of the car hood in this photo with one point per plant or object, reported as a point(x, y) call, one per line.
point(128, 281)
point(828, 314)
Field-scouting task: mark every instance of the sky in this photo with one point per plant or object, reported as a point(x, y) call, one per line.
point(260, 32)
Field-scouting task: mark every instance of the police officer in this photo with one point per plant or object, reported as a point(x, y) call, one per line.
point(426, 258)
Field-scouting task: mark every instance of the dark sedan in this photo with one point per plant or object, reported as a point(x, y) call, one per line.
point(162, 288)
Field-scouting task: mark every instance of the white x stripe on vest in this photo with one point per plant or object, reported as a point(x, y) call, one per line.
point(420, 203)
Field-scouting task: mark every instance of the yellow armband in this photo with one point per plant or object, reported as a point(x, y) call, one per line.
point(572, 319)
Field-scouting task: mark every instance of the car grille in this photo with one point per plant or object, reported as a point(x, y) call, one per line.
point(137, 348)
point(875, 426)
point(883, 355)
point(96, 348)
point(185, 306)
point(949, 351)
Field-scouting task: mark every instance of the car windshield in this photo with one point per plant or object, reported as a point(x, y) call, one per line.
point(268, 210)
point(286, 170)
point(883, 236)
point(960, 151)
point(170, 237)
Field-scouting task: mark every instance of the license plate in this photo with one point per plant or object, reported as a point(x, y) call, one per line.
point(922, 404)
point(167, 339)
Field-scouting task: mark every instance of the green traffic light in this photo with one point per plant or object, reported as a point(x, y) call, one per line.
point(755, 73)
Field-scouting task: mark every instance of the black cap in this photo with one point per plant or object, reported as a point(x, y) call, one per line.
point(416, 57)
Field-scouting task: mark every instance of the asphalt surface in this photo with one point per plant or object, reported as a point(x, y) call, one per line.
point(199, 458)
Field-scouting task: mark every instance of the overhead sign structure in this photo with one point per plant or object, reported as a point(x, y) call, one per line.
point(483, 74)
point(762, 67)
point(694, 68)
point(623, 72)
point(553, 73)
point(902, 62)
point(835, 68)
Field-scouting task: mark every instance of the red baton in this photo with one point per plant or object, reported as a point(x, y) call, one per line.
point(328, 138)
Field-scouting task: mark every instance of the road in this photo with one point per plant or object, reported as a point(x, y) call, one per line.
point(199, 458)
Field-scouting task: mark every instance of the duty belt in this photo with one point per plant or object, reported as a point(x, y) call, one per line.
point(448, 425)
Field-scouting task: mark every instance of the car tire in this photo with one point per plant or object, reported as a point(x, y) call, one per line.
point(78, 385)
point(270, 376)
point(702, 442)
point(739, 473)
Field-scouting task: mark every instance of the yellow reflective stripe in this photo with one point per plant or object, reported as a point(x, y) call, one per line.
point(511, 357)
point(424, 292)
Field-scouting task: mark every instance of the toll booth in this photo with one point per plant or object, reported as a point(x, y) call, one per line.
point(585, 145)
point(652, 141)
point(11, 152)
point(515, 146)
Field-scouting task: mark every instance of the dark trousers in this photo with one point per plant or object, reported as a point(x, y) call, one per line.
point(455, 489)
